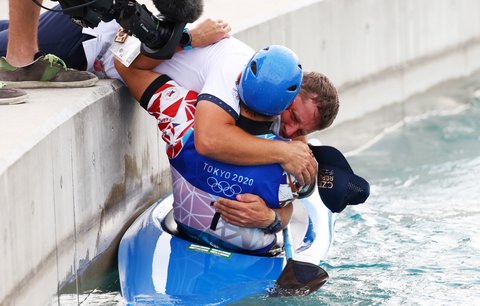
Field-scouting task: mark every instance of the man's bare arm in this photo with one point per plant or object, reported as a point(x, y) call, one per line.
point(137, 80)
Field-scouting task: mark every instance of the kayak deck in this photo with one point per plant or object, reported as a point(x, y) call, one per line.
point(157, 267)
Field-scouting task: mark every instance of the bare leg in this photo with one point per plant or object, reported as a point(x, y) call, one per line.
point(23, 28)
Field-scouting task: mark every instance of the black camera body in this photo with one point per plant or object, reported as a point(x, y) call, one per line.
point(159, 35)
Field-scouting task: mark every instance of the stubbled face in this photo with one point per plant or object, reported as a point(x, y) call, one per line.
point(300, 119)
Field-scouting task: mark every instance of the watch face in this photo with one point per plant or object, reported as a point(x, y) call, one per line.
point(186, 39)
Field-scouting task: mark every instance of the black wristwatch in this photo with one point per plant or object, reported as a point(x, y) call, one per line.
point(275, 226)
point(186, 40)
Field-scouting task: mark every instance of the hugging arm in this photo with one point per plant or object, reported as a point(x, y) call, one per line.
point(217, 137)
point(251, 211)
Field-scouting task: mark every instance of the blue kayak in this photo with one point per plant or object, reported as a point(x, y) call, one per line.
point(156, 266)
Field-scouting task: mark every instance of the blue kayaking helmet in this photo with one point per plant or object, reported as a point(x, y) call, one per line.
point(271, 80)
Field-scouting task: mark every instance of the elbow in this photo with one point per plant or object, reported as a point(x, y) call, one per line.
point(119, 66)
point(204, 146)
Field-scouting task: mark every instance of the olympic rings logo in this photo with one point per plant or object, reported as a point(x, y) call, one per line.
point(223, 187)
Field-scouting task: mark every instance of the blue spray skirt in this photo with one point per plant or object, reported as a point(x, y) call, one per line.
point(159, 268)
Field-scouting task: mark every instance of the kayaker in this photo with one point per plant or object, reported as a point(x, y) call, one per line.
point(267, 86)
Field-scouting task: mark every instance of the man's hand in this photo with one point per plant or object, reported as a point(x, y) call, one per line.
point(248, 211)
point(209, 32)
point(299, 161)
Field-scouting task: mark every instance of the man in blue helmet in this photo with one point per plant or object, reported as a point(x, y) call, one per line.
point(212, 71)
point(268, 85)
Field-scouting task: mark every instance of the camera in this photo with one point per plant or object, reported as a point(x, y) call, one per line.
point(159, 35)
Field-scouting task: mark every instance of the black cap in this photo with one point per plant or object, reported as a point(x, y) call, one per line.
point(337, 184)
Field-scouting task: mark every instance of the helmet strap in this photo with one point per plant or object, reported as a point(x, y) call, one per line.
point(254, 127)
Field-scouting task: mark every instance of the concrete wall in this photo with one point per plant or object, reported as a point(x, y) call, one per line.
point(71, 183)
point(68, 196)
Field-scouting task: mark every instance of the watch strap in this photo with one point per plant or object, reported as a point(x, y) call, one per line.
point(275, 226)
point(186, 40)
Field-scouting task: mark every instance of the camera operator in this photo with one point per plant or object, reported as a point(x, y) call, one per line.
point(25, 65)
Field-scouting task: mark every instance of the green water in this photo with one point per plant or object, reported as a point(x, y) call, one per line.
point(417, 239)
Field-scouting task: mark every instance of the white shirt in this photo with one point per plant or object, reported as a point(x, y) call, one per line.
point(212, 70)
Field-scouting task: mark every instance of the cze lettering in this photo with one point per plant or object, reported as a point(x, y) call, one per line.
point(227, 174)
point(325, 185)
point(325, 181)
